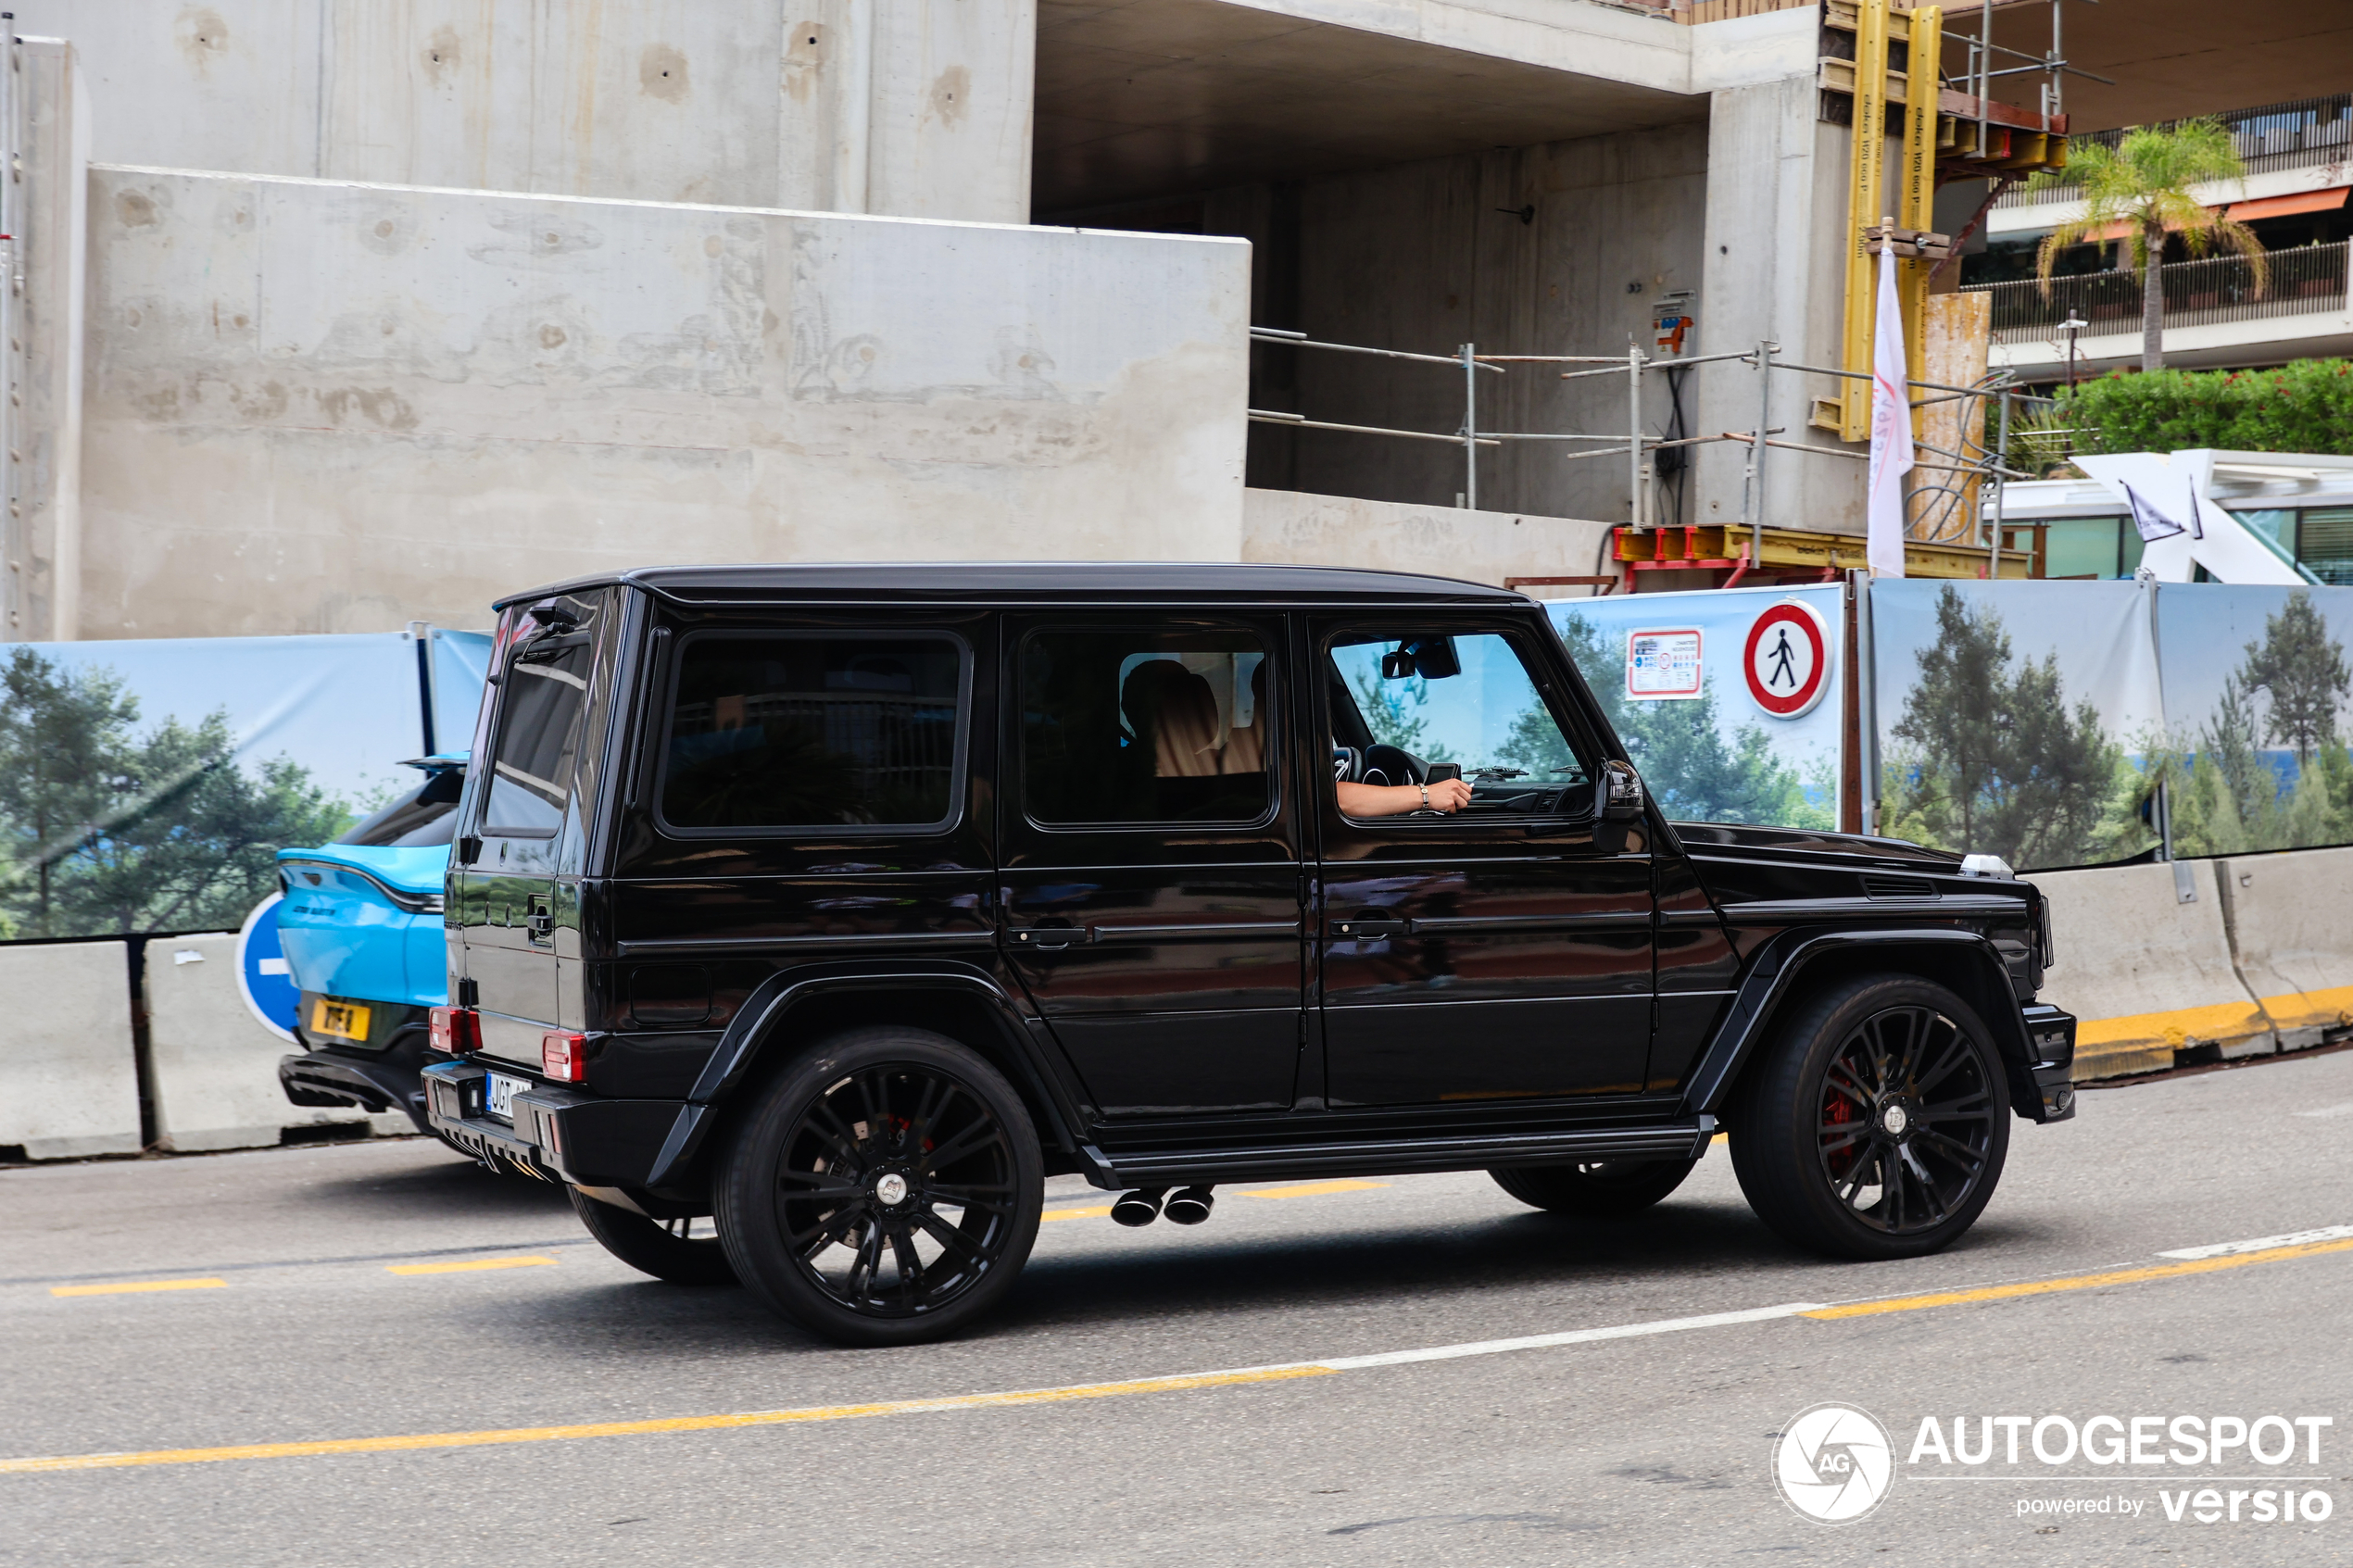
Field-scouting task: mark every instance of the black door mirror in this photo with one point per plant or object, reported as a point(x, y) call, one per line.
point(1621, 793)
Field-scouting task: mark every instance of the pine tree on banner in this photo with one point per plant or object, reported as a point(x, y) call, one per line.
point(1891, 428)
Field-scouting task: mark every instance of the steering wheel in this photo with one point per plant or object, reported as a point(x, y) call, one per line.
point(1348, 764)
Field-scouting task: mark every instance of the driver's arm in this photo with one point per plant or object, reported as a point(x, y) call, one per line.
point(1393, 800)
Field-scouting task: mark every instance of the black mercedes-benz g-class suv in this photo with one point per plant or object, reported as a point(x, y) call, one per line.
point(841, 905)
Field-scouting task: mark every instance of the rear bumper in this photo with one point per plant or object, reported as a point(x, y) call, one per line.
point(2052, 1034)
point(375, 1084)
point(558, 1134)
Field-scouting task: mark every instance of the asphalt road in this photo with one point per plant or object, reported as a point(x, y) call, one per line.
point(1651, 1447)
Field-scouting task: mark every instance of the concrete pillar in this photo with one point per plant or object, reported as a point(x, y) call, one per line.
point(950, 131)
point(1777, 179)
point(42, 353)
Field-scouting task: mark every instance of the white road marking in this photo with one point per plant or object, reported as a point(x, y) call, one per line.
point(1572, 1337)
point(2345, 1109)
point(2262, 1243)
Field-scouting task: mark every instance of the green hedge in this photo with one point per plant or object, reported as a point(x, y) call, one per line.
point(2304, 407)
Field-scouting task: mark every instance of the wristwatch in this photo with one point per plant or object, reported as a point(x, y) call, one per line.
point(1425, 789)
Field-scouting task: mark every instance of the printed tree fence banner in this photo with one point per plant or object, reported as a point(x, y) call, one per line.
point(147, 785)
point(2053, 723)
point(1729, 701)
point(2018, 719)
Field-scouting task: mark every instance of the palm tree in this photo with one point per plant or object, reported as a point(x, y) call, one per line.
point(2143, 188)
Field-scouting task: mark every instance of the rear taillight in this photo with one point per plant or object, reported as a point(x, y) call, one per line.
point(456, 1030)
point(564, 1056)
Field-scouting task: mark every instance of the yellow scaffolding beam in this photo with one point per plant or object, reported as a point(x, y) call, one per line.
point(1865, 206)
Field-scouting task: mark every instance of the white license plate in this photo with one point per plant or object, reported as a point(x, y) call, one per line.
point(501, 1099)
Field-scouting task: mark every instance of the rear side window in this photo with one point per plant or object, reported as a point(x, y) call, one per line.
point(814, 730)
point(1147, 725)
point(538, 734)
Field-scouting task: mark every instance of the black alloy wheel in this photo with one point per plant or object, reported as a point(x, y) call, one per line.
point(679, 1251)
point(884, 1189)
point(1877, 1125)
point(1595, 1189)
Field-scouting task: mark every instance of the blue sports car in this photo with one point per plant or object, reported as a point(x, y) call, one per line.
point(361, 927)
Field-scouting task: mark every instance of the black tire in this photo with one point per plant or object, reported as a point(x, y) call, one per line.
point(805, 1196)
point(667, 1250)
point(1820, 1152)
point(1603, 1189)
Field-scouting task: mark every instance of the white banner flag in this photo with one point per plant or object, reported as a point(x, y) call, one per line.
point(1891, 428)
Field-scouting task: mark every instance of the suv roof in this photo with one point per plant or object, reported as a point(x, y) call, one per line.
point(1022, 581)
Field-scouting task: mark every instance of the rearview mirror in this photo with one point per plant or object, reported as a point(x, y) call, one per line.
point(1432, 659)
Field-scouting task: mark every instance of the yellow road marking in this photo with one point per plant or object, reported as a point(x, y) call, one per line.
point(674, 1423)
point(1315, 1189)
point(1135, 1386)
point(1075, 1214)
point(466, 1267)
point(130, 1287)
point(2078, 1282)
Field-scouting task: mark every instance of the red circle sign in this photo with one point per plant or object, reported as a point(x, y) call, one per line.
point(1787, 660)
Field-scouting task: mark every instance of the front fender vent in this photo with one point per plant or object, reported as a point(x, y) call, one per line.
point(1899, 887)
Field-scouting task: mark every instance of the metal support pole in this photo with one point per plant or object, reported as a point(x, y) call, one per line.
point(2001, 466)
point(13, 537)
point(1637, 489)
point(1753, 513)
point(1470, 427)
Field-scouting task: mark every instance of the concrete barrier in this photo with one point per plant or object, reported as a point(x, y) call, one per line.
point(213, 1069)
point(2291, 920)
point(2144, 964)
point(68, 1071)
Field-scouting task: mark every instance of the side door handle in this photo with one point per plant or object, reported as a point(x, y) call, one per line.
point(540, 919)
point(1359, 929)
point(1048, 938)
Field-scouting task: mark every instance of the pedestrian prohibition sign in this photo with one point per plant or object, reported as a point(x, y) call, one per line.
point(1788, 659)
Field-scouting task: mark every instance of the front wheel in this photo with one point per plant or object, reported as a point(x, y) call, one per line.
point(1877, 1123)
point(882, 1189)
point(1603, 1189)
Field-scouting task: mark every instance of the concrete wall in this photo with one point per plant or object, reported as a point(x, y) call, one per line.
point(316, 406)
point(1421, 258)
point(1481, 546)
point(212, 1066)
point(897, 107)
point(69, 1074)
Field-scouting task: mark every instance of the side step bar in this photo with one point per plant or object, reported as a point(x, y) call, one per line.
point(1153, 1168)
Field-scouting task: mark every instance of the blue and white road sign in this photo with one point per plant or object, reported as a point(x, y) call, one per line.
point(263, 977)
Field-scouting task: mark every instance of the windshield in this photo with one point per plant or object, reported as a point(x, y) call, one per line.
point(426, 815)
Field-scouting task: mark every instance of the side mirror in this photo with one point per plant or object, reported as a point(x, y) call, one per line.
point(1621, 793)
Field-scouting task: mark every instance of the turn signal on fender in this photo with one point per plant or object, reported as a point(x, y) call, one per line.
point(564, 1057)
point(456, 1030)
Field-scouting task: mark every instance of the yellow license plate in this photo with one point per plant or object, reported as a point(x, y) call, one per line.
point(342, 1020)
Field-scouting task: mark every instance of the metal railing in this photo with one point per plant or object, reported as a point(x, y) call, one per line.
point(2215, 290)
point(2296, 134)
point(1954, 494)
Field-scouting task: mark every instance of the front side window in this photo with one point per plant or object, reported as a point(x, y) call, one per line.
point(816, 730)
point(1408, 707)
point(531, 771)
point(1158, 724)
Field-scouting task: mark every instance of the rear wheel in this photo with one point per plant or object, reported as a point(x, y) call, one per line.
point(883, 1189)
point(1596, 1190)
point(681, 1251)
point(1877, 1125)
